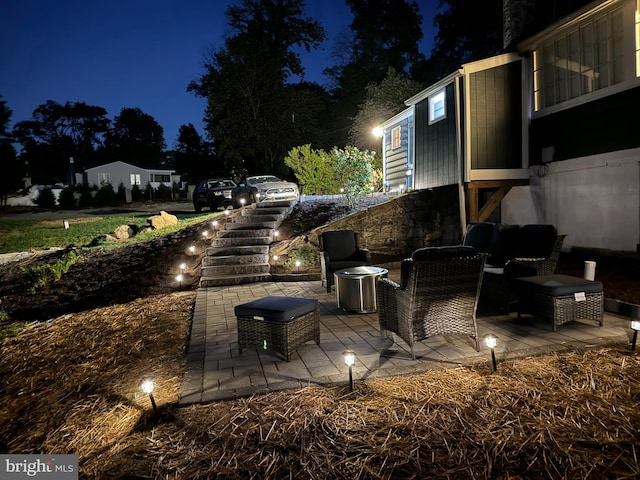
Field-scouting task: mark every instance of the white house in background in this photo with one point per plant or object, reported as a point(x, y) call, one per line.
point(117, 173)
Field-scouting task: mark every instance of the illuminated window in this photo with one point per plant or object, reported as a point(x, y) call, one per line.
point(583, 60)
point(135, 179)
point(437, 107)
point(395, 137)
point(104, 178)
point(161, 178)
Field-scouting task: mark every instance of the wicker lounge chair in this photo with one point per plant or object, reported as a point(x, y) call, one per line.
point(438, 295)
point(340, 249)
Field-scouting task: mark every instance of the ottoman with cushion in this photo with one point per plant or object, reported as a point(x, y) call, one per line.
point(560, 298)
point(281, 324)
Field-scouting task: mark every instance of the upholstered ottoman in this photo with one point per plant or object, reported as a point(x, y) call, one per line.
point(281, 324)
point(560, 298)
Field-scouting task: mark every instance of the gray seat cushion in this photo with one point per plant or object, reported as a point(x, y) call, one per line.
point(557, 285)
point(277, 309)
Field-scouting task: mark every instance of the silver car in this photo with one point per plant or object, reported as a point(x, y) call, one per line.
point(264, 190)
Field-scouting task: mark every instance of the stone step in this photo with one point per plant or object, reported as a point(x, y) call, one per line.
point(238, 250)
point(234, 280)
point(242, 241)
point(269, 217)
point(246, 232)
point(217, 260)
point(221, 271)
point(239, 226)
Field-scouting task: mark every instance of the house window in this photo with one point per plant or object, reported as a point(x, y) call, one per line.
point(135, 179)
point(161, 178)
point(588, 58)
point(437, 107)
point(104, 178)
point(395, 137)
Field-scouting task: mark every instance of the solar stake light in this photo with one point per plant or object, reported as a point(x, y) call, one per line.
point(276, 233)
point(65, 224)
point(635, 326)
point(192, 248)
point(491, 341)
point(205, 234)
point(214, 224)
point(147, 387)
point(242, 201)
point(298, 263)
point(349, 360)
point(179, 279)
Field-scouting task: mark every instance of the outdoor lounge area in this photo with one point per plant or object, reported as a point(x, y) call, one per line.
point(216, 369)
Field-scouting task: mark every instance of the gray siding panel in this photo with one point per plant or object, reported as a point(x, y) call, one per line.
point(495, 117)
point(436, 148)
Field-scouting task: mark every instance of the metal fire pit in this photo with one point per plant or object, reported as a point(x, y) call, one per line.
point(356, 288)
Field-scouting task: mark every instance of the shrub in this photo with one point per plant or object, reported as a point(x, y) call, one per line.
point(86, 199)
point(46, 199)
point(148, 192)
point(163, 192)
point(121, 194)
point(136, 193)
point(43, 274)
point(306, 254)
point(105, 196)
point(67, 199)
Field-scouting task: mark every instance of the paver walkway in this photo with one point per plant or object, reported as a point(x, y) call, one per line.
point(216, 370)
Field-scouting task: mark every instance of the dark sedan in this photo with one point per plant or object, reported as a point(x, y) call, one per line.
point(213, 193)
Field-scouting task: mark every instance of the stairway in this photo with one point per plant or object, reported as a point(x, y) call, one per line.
point(240, 252)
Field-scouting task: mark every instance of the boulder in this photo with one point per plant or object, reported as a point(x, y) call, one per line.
point(163, 220)
point(123, 232)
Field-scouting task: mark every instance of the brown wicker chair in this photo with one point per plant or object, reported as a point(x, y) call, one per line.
point(340, 249)
point(438, 295)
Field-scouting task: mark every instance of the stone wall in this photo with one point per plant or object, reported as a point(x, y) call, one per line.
point(397, 227)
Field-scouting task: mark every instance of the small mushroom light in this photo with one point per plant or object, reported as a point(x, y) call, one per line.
point(147, 387)
point(491, 341)
point(635, 326)
point(350, 360)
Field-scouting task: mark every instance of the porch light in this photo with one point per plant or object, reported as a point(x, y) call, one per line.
point(491, 341)
point(147, 387)
point(377, 131)
point(635, 326)
point(349, 360)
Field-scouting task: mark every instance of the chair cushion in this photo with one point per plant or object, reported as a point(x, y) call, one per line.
point(340, 244)
point(479, 236)
point(278, 309)
point(432, 253)
point(557, 285)
point(536, 241)
point(504, 243)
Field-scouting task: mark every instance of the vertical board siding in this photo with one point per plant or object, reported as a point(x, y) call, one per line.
point(495, 117)
point(436, 146)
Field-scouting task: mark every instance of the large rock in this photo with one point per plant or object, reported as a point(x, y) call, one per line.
point(123, 232)
point(163, 220)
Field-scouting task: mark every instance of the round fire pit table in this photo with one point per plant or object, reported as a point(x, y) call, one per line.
point(356, 288)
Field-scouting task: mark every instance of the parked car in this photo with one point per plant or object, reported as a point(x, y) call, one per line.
point(213, 193)
point(264, 190)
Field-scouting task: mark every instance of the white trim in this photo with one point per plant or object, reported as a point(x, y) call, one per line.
point(491, 62)
point(403, 115)
point(433, 88)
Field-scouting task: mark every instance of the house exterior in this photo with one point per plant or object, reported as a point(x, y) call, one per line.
point(546, 133)
point(397, 152)
point(119, 172)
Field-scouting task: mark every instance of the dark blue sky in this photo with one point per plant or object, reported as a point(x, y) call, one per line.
point(133, 53)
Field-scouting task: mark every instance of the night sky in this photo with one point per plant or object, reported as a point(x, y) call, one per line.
point(134, 53)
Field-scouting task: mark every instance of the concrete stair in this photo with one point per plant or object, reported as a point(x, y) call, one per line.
point(240, 251)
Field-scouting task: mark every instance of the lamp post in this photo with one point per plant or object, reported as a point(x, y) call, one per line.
point(491, 341)
point(349, 360)
point(635, 326)
point(147, 387)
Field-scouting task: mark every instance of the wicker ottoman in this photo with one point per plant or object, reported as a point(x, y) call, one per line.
point(281, 324)
point(560, 298)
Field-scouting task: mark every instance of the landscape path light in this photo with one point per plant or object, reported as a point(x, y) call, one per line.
point(214, 224)
point(179, 279)
point(635, 326)
point(298, 263)
point(147, 387)
point(491, 341)
point(349, 360)
point(192, 248)
point(65, 224)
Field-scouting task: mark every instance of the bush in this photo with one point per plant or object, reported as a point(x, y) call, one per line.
point(46, 199)
point(121, 195)
point(148, 192)
point(307, 255)
point(136, 193)
point(105, 196)
point(163, 192)
point(67, 199)
point(86, 199)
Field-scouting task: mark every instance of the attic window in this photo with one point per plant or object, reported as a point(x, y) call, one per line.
point(437, 107)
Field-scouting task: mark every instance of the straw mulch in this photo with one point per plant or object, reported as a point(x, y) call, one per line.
point(71, 385)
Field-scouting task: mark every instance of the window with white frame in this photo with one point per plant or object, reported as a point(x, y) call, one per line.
point(395, 137)
point(104, 178)
point(437, 107)
point(135, 179)
point(157, 177)
point(587, 58)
